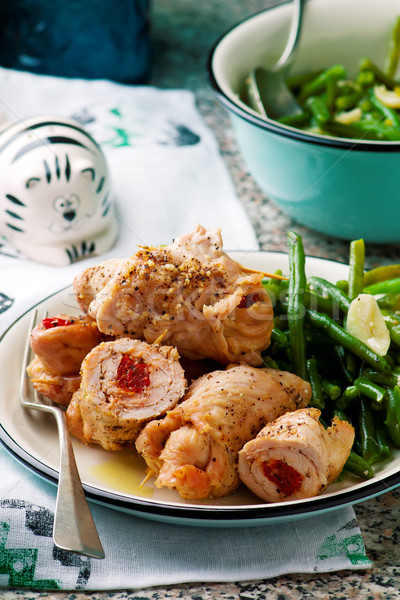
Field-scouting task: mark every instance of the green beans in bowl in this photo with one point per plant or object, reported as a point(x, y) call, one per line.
point(331, 172)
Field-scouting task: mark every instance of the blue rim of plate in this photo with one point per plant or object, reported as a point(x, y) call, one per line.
point(278, 128)
point(208, 515)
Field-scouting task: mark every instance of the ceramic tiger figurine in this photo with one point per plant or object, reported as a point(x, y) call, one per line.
point(55, 198)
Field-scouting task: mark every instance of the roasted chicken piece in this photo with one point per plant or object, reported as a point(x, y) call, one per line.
point(124, 384)
point(205, 303)
point(194, 449)
point(94, 279)
point(61, 342)
point(58, 388)
point(295, 456)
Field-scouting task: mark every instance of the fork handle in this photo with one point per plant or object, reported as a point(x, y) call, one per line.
point(74, 528)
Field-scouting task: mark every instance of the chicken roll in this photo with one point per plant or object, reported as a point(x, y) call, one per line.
point(124, 384)
point(194, 449)
point(62, 342)
point(295, 456)
point(193, 293)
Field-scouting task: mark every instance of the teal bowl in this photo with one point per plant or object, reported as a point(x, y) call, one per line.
point(340, 187)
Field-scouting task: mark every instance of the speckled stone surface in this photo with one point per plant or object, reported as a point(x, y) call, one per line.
point(183, 32)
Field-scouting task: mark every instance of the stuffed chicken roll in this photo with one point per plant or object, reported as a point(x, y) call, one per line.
point(295, 456)
point(194, 449)
point(124, 384)
point(205, 304)
point(61, 342)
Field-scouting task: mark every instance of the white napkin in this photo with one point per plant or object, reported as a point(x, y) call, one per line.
point(170, 177)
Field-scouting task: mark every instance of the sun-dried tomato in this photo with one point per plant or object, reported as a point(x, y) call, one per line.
point(50, 322)
point(247, 301)
point(285, 477)
point(132, 375)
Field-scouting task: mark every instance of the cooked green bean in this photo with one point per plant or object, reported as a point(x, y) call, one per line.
point(334, 104)
point(388, 286)
point(382, 439)
point(393, 415)
point(318, 84)
point(279, 337)
point(356, 268)
point(370, 389)
point(369, 444)
point(326, 289)
point(317, 398)
point(348, 379)
point(393, 51)
point(296, 309)
point(331, 390)
point(347, 370)
point(340, 335)
point(356, 465)
point(390, 379)
point(381, 274)
point(319, 109)
point(367, 64)
point(393, 324)
point(386, 111)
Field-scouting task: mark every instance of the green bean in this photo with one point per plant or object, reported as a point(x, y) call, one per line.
point(341, 355)
point(347, 101)
point(390, 379)
point(317, 85)
point(331, 93)
point(393, 415)
point(279, 338)
point(393, 324)
point(370, 389)
point(297, 120)
point(356, 465)
point(343, 285)
point(367, 65)
point(389, 301)
point(350, 394)
point(356, 268)
point(296, 81)
point(381, 274)
point(317, 398)
point(393, 51)
point(313, 301)
point(327, 289)
point(386, 111)
point(369, 444)
point(365, 78)
point(330, 389)
point(341, 336)
point(319, 109)
point(296, 309)
point(340, 415)
point(382, 439)
point(362, 130)
point(389, 286)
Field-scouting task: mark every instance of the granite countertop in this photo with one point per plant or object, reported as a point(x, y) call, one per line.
point(183, 32)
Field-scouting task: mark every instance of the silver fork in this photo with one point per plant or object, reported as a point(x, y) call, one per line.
point(74, 528)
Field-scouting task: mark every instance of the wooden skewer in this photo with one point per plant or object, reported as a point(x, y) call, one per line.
point(271, 275)
point(160, 338)
point(149, 474)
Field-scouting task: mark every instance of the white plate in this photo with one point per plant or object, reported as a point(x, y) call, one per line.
point(112, 478)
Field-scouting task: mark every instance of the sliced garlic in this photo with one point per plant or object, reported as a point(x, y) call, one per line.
point(366, 323)
point(349, 116)
point(390, 98)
